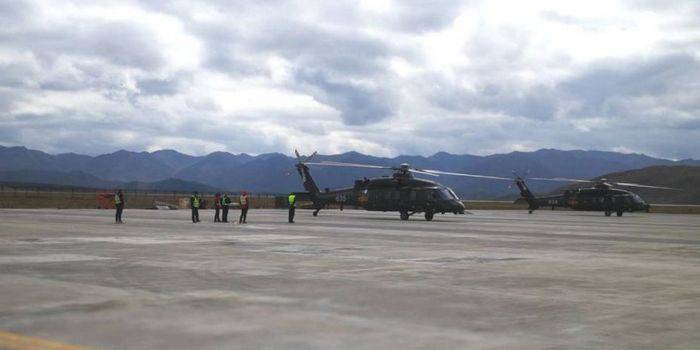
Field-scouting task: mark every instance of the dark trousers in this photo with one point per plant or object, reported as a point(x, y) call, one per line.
point(195, 214)
point(216, 214)
point(224, 214)
point(244, 215)
point(291, 214)
point(118, 216)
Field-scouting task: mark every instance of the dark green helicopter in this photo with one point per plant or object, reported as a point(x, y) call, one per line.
point(402, 192)
point(601, 197)
point(408, 195)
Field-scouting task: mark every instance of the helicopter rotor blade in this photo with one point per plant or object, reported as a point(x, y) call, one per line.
point(352, 165)
point(628, 184)
point(297, 154)
point(311, 156)
point(422, 172)
point(609, 183)
point(439, 172)
point(356, 165)
point(561, 179)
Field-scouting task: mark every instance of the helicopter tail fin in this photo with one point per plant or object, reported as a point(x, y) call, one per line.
point(526, 194)
point(309, 183)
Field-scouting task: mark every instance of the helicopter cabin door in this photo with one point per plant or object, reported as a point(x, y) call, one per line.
point(404, 200)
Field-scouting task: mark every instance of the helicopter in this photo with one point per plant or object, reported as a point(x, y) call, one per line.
point(408, 195)
point(402, 192)
point(602, 196)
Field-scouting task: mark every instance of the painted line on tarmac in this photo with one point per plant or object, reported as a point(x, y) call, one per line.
point(12, 341)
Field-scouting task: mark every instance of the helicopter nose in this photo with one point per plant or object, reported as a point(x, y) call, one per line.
point(459, 207)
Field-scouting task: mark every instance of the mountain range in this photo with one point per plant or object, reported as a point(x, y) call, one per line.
point(275, 172)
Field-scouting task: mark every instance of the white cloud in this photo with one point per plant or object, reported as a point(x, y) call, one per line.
point(381, 77)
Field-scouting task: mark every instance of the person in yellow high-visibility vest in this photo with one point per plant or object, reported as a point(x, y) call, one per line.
point(245, 204)
point(119, 205)
point(195, 204)
point(292, 199)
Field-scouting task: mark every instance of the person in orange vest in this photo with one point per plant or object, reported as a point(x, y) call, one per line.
point(245, 202)
point(217, 206)
point(119, 205)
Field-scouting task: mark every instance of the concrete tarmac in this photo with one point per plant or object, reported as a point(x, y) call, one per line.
point(352, 279)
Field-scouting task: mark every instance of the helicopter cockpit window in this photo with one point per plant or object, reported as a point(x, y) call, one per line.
point(443, 193)
point(454, 195)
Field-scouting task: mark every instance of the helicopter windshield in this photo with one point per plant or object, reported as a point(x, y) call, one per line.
point(637, 198)
point(445, 193)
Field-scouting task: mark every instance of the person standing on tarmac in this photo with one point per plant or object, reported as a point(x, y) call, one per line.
point(119, 205)
point(217, 207)
point(244, 200)
point(225, 202)
point(195, 203)
point(292, 199)
point(608, 204)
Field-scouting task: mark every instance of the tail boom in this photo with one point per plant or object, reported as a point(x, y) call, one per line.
point(527, 194)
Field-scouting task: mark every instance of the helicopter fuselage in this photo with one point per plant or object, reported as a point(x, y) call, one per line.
point(605, 199)
point(406, 195)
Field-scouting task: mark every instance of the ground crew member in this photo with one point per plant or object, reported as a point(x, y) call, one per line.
point(217, 207)
point(195, 203)
point(119, 205)
point(225, 202)
point(292, 199)
point(608, 204)
point(244, 207)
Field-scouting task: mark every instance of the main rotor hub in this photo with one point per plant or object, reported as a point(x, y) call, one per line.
point(403, 171)
point(602, 184)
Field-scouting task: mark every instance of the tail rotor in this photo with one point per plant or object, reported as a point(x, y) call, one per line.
point(303, 159)
point(306, 178)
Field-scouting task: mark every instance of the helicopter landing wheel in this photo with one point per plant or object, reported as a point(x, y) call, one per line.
point(404, 215)
point(429, 215)
point(619, 212)
point(608, 213)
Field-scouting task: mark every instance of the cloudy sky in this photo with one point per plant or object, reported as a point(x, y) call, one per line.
point(378, 76)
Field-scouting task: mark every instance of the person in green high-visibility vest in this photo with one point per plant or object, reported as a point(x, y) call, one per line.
point(225, 204)
point(195, 203)
point(292, 199)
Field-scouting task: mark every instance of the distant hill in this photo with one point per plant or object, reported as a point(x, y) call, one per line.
point(175, 185)
point(275, 172)
point(76, 179)
point(49, 177)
